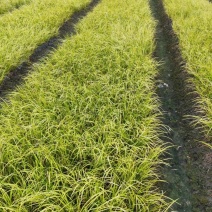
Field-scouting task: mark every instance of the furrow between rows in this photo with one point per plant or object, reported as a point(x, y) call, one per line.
point(178, 95)
point(193, 26)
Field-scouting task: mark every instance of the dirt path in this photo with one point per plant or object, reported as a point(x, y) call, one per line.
point(16, 76)
point(185, 176)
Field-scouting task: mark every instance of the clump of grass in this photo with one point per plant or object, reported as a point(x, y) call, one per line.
point(9, 5)
point(192, 23)
point(82, 133)
point(25, 29)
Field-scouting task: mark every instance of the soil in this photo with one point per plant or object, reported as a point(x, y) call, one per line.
point(16, 76)
point(189, 176)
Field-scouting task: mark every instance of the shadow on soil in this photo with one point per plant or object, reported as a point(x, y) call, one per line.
point(186, 176)
point(16, 76)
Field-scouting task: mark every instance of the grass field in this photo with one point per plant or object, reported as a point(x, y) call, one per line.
point(192, 23)
point(82, 132)
point(85, 130)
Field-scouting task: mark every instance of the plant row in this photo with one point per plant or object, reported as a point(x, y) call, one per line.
point(192, 23)
point(24, 29)
point(9, 5)
point(82, 132)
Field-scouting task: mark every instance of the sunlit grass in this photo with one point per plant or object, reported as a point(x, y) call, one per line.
point(82, 133)
point(9, 5)
point(192, 23)
point(24, 29)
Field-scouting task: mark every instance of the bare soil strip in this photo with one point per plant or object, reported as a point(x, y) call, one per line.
point(16, 76)
point(187, 174)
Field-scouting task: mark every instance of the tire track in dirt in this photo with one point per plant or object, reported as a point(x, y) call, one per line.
point(185, 176)
point(16, 76)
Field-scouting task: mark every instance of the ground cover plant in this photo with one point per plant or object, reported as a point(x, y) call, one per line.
point(9, 5)
point(23, 30)
point(192, 23)
point(82, 133)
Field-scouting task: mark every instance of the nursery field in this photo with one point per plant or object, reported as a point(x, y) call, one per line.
point(103, 120)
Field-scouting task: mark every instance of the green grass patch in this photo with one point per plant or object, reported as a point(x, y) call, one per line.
point(82, 133)
point(9, 5)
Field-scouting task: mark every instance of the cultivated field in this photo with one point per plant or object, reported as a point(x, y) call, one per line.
point(87, 129)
